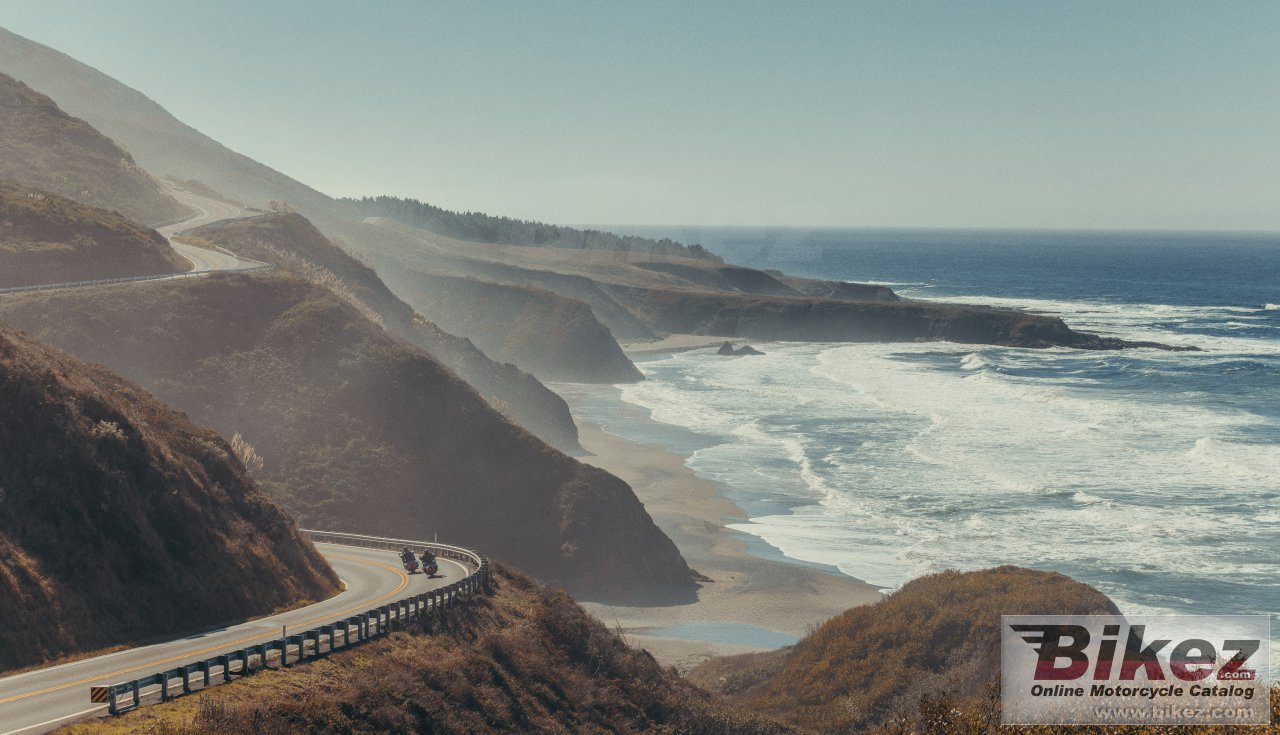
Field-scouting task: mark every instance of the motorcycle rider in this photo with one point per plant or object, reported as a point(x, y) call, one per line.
point(406, 554)
point(429, 561)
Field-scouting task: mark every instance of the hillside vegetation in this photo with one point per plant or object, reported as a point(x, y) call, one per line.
point(939, 633)
point(291, 242)
point(361, 432)
point(43, 147)
point(523, 659)
point(46, 238)
point(480, 227)
point(122, 520)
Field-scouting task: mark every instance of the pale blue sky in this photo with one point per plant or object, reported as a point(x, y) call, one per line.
point(972, 114)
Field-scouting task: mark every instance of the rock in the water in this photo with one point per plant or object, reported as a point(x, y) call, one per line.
point(727, 349)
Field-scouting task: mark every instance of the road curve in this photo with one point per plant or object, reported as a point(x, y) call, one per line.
point(207, 210)
point(41, 700)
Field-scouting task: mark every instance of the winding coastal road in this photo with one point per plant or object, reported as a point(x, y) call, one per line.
point(203, 261)
point(207, 211)
point(44, 699)
point(41, 700)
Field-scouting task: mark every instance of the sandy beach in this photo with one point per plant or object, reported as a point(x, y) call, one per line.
point(745, 589)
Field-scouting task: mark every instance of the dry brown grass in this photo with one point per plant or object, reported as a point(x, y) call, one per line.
point(46, 238)
point(41, 146)
point(121, 520)
point(524, 660)
point(938, 633)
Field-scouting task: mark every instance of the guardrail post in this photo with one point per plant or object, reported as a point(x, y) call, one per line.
point(377, 622)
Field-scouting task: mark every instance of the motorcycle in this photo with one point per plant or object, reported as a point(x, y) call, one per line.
point(430, 567)
point(410, 564)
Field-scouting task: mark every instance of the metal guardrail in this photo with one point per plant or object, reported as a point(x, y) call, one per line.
point(126, 279)
point(323, 640)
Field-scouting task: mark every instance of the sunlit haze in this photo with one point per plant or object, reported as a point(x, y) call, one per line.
point(966, 114)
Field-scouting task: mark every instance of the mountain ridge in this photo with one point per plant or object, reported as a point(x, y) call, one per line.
point(43, 147)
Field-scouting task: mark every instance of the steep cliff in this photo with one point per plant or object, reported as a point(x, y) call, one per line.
point(554, 337)
point(291, 242)
point(831, 320)
point(360, 431)
point(121, 520)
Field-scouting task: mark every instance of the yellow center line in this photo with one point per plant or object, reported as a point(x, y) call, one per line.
point(404, 582)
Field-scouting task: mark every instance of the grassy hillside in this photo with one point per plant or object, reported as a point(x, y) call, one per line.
point(159, 142)
point(359, 431)
point(43, 147)
point(122, 520)
point(291, 242)
point(937, 633)
point(522, 660)
point(45, 238)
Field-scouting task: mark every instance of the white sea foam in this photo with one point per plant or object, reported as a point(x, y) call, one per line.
point(889, 461)
point(1271, 307)
point(1150, 322)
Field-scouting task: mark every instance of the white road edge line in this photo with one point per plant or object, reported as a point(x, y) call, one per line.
point(56, 720)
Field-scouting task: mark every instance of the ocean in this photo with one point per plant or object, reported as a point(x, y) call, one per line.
point(1152, 475)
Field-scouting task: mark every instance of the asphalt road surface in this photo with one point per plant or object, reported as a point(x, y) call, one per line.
point(40, 701)
point(207, 210)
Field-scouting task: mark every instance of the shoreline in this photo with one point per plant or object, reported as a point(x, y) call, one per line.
point(753, 602)
point(675, 343)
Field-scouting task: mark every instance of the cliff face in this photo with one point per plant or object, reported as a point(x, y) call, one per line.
point(938, 633)
point(722, 277)
point(41, 146)
point(828, 320)
point(402, 254)
point(122, 520)
point(273, 238)
point(45, 238)
point(842, 290)
point(359, 431)
point(553, 337)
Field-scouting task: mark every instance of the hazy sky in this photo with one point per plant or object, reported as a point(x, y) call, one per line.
point(979, 114)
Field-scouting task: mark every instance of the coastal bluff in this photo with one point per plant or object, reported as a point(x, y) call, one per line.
point(819, 319)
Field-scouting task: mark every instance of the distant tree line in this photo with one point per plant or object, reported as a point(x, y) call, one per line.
point(480, 227)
